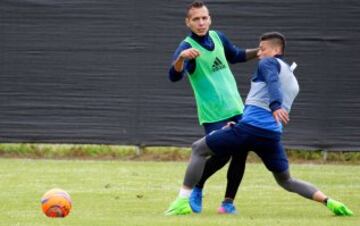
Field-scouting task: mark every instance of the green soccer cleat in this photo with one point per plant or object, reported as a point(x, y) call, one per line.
point(338, 208)
point(180, 206)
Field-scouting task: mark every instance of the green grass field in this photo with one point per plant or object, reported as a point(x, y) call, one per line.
point(136, 193)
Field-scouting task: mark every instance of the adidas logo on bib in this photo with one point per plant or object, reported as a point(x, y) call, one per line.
point(217, 65)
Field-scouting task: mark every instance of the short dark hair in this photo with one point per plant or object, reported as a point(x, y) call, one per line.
point(276, 37)
point(195, 4)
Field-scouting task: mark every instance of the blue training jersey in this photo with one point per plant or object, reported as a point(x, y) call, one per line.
point(273, 86)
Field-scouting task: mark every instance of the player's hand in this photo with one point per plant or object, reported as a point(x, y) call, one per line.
point(281, 116)
point(229, 124)
point(190, 54)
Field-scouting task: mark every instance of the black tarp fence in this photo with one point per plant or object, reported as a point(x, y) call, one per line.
point(95, 71)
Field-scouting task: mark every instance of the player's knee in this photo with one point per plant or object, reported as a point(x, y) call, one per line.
point(284, 180)
point(223, 159)
point(200, 148)
point(239, 158)
point(195, 146)
point(286, 184)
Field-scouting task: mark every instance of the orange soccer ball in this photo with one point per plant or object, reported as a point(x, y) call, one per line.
point(56, 203)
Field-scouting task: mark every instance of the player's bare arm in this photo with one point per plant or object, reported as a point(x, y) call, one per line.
point(251, 53)
point(187, 54)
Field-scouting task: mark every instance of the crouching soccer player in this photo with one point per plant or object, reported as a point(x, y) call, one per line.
point(273, 90)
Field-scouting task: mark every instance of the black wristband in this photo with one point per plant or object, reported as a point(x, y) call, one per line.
point(325, 201)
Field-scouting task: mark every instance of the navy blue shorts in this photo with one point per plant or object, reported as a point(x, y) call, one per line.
point(245, 138)
point(210, 127)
